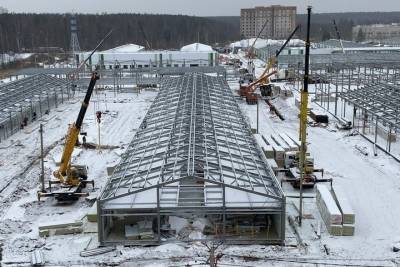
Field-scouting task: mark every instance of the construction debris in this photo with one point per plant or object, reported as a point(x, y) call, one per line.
point(37, 258)
point(362, 150)
point(92, 214)
point(63, 228)
point(96, 251)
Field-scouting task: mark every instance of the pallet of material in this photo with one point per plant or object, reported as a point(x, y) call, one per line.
point(92, 214)
point(294, 139)
point(348, 230)
point(279, 152)
point(336, 230)
point(267, 149)
point(344, 205)
point(280, 142)
point(272, 163)
point(292, 145)
point(329, 211)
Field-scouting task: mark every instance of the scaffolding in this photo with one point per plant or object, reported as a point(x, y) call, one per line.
point(28, 99)
point(194, 157)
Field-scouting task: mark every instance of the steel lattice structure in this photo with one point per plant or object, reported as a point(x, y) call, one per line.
point(194, 154)
point(381, 101)
point(28, 99)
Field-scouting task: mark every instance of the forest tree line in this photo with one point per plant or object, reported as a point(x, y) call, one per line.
point(29, 32)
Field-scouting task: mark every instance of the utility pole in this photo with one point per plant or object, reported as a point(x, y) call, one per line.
point(258, 116)
point(303, 116)
point(98, 119)
point(43, 190)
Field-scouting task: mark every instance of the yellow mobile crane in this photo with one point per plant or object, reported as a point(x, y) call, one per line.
point(303, 117)
point(73, 178)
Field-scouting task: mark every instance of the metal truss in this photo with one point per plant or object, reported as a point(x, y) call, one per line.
point(122, 75)
point(194, 129)
point(380, 100)
point(348, 58)
point(131, 69)
point(28, 99)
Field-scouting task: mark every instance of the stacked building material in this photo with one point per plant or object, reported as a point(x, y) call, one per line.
point(92, 214)
point(348, 215)
point(279, 152)
point(273, 165)
point(280, 142)
point(293, 145)
point(37, 258)
point(329, 211)
point(62, 228)
point(267, 149)
point(141, 230)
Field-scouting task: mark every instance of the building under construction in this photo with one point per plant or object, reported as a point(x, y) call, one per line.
point(194, 157)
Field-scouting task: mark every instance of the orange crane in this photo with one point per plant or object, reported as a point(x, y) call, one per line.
point(248, 90)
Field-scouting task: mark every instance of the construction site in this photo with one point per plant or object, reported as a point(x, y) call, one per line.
point(275, 153)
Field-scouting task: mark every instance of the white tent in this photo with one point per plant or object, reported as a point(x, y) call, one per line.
point(128, 48)
point(197, 47)
point(265, 42)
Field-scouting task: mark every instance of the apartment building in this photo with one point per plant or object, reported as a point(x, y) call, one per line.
point(279, 21)
point(3, 10)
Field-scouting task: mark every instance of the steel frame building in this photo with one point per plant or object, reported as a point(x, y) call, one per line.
point(119, 76)
point(29, 99)
point(344, 89)
point(194, 156)
point(376, 106)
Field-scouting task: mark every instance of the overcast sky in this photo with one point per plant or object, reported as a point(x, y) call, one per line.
point(191, 7)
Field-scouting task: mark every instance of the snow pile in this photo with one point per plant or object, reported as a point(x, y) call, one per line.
point(178, 223)
point(265, 42)
point(197, 47)
point(169, 248)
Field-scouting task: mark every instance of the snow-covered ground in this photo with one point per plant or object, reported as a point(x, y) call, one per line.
point(372, 185)
point(20, 210)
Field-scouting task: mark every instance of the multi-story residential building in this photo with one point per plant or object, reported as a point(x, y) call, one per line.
point(3, 10)
point(279, 21)
point(377, 32)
